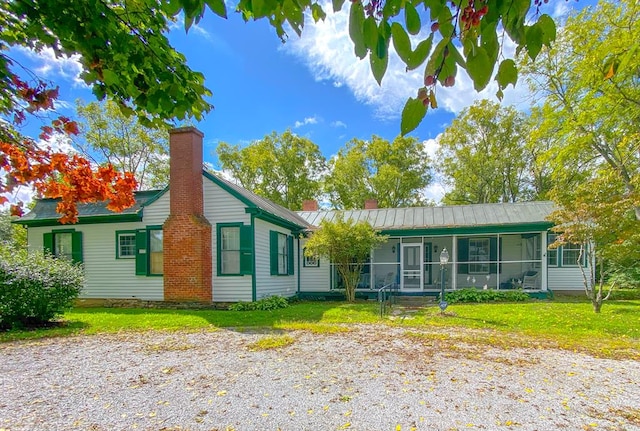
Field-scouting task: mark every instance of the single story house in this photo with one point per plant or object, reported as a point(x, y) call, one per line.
point(206, 239)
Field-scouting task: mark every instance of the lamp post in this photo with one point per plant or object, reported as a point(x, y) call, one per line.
point(444, 259)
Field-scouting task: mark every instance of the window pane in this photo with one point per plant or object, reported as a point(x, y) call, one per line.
point(570, 254)
point(479, 252)
point(552, 254)
point(230, 238)
point(156, 255)
point(62, 244)
point(282, 254)
point(230, 262)
point(126, 245)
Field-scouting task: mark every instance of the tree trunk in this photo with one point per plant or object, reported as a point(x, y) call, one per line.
point(597, 305)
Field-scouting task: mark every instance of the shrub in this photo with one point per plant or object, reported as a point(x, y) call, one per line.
point(269, 303)
point(477, 295)
point(35, 288)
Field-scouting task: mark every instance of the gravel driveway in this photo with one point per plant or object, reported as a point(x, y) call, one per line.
point(371, 378)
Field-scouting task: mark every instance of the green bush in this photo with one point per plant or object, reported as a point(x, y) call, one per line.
point(625, 294)
point(269, 303)
point(477, 295)
point(35, 288)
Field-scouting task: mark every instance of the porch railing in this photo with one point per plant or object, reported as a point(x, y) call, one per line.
point(386, 296)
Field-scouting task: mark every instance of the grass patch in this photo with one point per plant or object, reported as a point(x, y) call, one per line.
point(567, 323)
point(272, 342)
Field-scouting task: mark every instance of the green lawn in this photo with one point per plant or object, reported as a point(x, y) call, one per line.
point(615, 332)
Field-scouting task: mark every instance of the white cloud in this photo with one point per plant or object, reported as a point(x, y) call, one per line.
point(307, 120)
point(327, 50)
point(51, 66)
point(338, 123)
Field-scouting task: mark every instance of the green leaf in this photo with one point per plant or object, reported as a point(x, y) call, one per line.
point(391, 8)
point(418, 56)
point(218, 7)
point(110, 78)
point(412, 115)
point(356, 31)
point(412, 18)
point(317, 12)
point(446, 23)
point(534, 40)
point(436, 58)
point(479, 68)
point(507, 73)
point(435, 7)
point(548, 27)
point(370, 32)
point(401, 42)
point(378, 66)
point(337, 5)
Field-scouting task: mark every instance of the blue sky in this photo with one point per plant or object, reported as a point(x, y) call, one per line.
point(313, 85)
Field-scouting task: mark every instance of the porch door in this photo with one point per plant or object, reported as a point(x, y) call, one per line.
point(411, 267)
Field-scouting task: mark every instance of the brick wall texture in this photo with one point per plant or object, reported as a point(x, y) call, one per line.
point(187, 233)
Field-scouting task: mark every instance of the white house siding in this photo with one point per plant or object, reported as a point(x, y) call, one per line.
point(267, 284)
point(157, 212)
point(314, 279)
point(221, 207)
point(106, 276)
point(565, 278)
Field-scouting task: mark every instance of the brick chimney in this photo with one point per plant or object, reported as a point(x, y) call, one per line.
point(371, 204)
point(310, 205)
point(187, 233)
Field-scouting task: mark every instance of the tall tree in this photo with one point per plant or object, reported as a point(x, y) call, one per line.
point(597, 214)
point(126, 55)
point(484, 156)
point(109, 137)
point(284, 168)
point(394, 173)
point(591, 93)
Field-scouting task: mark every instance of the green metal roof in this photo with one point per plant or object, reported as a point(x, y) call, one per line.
point(443, 217)
point(44, 212)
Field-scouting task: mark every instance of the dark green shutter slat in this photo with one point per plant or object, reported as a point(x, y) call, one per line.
point(47, 242)
point(76, 247)
point(493, 255)
point(246, 250)
point(141, 252)
point(290, 263)
point(273, 251)
point(463, 255)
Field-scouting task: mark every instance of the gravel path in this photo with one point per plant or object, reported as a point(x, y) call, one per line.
point(355, 380)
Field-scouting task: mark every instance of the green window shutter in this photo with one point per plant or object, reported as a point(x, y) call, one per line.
point(273, 251)
point(76, 247)
point(141, 253)
point(493, 255)
point(246, 250)
point(290, 263)
point(463, 255)
point(47, 242)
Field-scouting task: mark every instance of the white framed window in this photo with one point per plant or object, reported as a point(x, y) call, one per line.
point(479, 255)
point(156, 252)
point(126, 243)
point(571, 254)
point(283, 256)
point(230, 250)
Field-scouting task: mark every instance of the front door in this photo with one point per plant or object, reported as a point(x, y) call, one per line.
point(411, 267)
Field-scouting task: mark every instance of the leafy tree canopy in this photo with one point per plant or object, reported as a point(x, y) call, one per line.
point(127, 57)
point(394, 173)
point(484, 156)
point(590, 90)
point(109, 137)
point(284, 168)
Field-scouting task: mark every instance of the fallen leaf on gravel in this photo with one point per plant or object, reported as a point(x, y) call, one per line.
point(222, 393)
point(345, 426)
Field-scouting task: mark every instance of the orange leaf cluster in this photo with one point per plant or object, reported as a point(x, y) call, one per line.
point(70, 178)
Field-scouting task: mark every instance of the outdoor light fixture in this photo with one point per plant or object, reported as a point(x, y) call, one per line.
point(444, 259)
point(393, 249)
